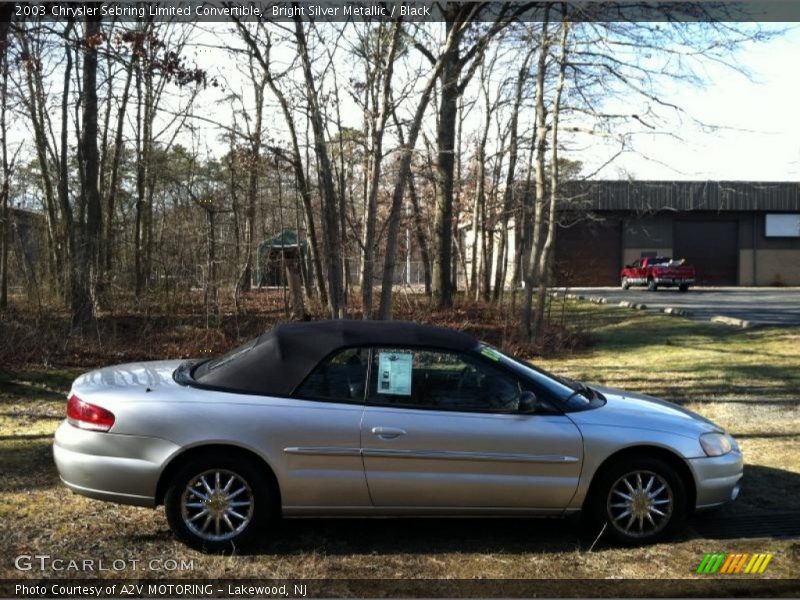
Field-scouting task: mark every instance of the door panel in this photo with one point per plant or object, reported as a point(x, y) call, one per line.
point(712, 247)
point(448, 459)
point(589, 253)
point(321, 436)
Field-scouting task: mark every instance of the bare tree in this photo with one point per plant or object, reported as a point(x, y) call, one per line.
point(85, 265)
point(5, 224)
point(377, 124)
point(330, 216)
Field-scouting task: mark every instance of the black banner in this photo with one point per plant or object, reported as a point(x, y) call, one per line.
point(366, 10)
point(711, 587)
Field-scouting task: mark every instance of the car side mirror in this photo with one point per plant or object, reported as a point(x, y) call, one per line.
point(527, 402)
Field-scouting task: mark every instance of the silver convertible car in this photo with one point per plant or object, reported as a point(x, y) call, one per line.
point(362, 418)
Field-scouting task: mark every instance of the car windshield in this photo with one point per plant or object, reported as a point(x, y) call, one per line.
point(561, 387)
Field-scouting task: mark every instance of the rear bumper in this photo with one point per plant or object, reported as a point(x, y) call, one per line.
point(718, 479)
point(108, 466)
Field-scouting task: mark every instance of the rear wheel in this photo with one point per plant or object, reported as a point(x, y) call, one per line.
point(684, 287)
point(639, 500)
point(218, 504)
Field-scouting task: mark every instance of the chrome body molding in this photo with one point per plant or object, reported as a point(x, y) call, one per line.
point(470, 456)
point(432, 454)
point(323, 451)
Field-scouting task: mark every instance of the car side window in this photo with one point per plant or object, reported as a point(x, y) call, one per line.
point(440, 380)
point(339, 378)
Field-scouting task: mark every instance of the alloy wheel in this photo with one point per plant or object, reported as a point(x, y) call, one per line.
point(640, 504)
point(217, 504)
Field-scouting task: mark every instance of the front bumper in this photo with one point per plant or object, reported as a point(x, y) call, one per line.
point(718, 479)
point(109, 466)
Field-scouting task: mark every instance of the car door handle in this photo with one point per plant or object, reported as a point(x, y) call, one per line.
point(388, 433)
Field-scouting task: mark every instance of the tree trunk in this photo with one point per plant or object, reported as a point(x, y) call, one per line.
point(508, 193)
point(86, 263)
point(254, 166)
point(141, 176)
point(59, 231)
point(210, 299)
point(378, 127)
point(403, 176)
point(547, 249)
point(532, 274)
point(5, 16)
point(479, 211)
point(295, 290)
point(113, 186)
point(330, 232)
point(445, 173)
point(422, 241)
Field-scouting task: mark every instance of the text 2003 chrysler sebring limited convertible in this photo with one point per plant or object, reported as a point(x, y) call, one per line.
point(383, 418)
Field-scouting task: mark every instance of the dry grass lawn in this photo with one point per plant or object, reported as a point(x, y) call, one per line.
point(747, 381)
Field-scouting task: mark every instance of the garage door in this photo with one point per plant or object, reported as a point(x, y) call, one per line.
point(589, 254)
point(712, 247)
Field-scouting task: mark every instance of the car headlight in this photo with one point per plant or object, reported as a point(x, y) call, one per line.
point(716, 443)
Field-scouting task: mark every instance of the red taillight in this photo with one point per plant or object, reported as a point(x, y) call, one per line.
point(88, 416)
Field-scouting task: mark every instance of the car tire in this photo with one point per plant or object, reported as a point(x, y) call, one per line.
point(607, 505)
point(217, 504)
point(651, 285)
point(683, 288)
point(625, 284)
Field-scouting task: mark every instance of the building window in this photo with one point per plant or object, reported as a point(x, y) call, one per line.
point(787, 225)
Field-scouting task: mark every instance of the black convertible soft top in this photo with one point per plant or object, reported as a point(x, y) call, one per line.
point(279, 360)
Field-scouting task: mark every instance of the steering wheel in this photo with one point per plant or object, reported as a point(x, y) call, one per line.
point(463, 376)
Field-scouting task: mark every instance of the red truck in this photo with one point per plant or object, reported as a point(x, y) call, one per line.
point(658, 271)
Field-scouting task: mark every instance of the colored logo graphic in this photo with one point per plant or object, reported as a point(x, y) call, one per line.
point(732, 564)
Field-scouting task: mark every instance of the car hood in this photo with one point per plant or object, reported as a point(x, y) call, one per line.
point(152, 375)
point(639, 411)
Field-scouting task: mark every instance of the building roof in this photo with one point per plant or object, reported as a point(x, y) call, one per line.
point(650, 196)
point(285, 239)
point(278, 361)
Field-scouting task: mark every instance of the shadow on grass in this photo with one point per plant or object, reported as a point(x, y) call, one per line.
point(768, 507)
point(424, 536)
point(37, 382)
point(27, 463)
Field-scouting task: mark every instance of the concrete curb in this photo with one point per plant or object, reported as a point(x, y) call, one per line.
point(734, 322)
point(669, 310)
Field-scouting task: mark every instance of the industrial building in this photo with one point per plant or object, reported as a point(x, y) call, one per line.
point(735, 233)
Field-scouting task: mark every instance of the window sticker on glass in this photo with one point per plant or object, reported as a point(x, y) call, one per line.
point(490, 353)
point(394, 373)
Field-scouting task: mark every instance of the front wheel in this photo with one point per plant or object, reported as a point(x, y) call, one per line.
point(684, 287)
point(217, 504)
point(641, 501)
point(651, 285)
point(625, 283)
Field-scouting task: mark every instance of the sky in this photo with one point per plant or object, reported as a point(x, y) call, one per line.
point(759, 120)
point(750, 123)
point(756, 118)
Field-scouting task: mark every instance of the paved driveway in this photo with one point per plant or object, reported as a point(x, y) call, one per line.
point(768, 306)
